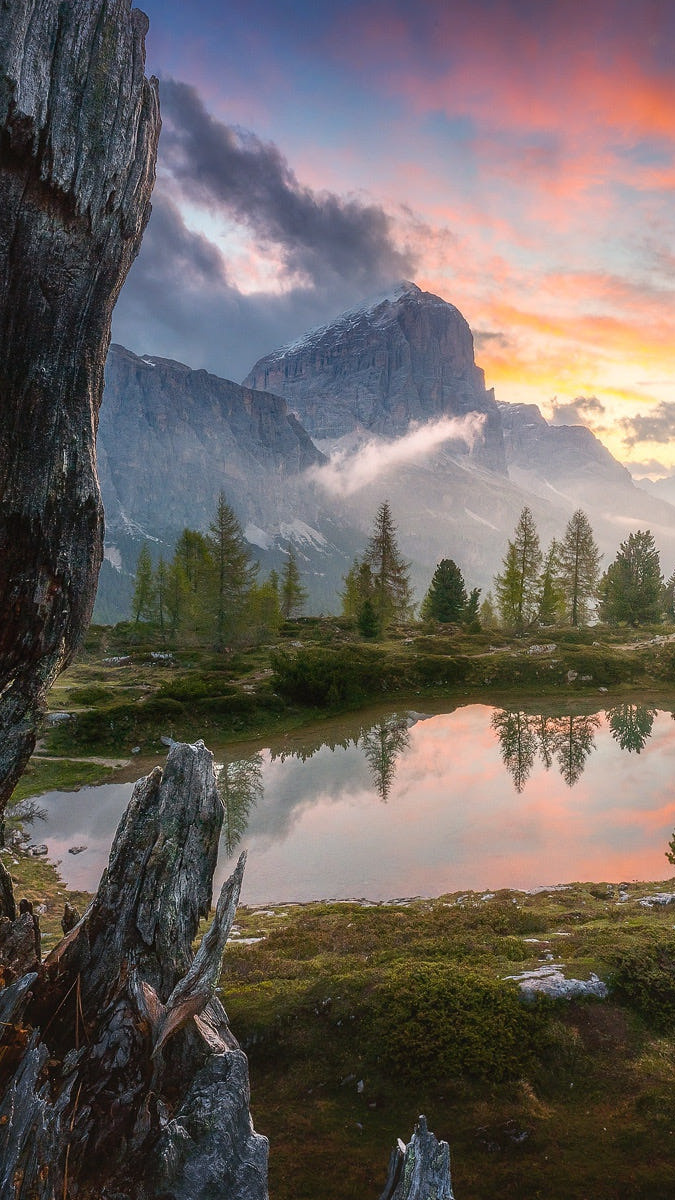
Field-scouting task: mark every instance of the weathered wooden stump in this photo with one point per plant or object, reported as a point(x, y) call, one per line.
point(79, 125)
point(420, 1170)
point(118, 1071)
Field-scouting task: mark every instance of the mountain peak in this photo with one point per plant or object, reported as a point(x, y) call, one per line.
point(402, 357)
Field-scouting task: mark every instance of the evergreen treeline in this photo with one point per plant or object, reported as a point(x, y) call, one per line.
point(210, 590)
point(564, 586)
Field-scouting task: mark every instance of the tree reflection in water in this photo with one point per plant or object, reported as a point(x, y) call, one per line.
point(382, 745)
point(631, 725)
point(574, 742)
point(240, 786)
point(566, 740)
point(518, 739)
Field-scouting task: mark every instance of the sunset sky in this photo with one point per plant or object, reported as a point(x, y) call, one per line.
point(516, 157)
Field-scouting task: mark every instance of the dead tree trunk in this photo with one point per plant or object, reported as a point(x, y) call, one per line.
point(420, 1170)
point(78, 135)
point(120, 1076)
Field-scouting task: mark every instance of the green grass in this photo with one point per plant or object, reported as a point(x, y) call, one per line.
point(562, 1099)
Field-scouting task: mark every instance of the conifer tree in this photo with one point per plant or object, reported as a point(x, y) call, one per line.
point(446, 598)
point(392, 597)
point(516, 586)
point(263, 611)
point(367, 621)
point(579, 568)
point(550, 599)
point(177, 596)
point(487, 613)
point(191, 584)
point(471, 612)
point(161, 587)
point(357, 588)
point(293, 595)
point(233, 571)
point(143, 599)
point(630, 589)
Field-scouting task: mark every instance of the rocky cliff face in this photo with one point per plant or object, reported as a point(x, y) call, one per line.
point(78, 132)
point(405, 357)
point(555, 452)
point(170, 439)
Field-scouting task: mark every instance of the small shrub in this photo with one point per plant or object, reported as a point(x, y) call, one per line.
point(329, 678)
point(644, 979)
point(90, 695)
point(429, 1021)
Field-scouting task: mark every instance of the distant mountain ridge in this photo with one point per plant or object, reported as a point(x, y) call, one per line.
point(171, 438)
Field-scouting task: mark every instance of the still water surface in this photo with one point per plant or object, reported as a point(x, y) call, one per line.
point(408, 804)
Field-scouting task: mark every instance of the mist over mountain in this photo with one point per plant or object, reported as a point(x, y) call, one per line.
point(401, 358)
point(397, 409)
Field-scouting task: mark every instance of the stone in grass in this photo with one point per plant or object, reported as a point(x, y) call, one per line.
point(550, 981)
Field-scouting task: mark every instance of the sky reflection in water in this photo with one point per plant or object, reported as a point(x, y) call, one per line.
point(474, 799)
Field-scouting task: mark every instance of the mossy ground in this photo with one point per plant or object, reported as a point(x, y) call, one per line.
point(559, 1100)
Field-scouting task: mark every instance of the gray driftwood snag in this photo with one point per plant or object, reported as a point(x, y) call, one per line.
point(79, 124)
point(420, 1170)
point(119, 1074)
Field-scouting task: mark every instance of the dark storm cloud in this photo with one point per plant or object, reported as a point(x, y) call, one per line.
point(584, 410)
point(234, 172)
point(179, 301)
point(655, 426)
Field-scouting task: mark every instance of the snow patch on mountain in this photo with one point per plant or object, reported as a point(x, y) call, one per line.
point(256, 536)
point(481, 520)
point(302, 534)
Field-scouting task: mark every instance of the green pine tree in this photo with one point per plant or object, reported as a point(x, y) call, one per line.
point(367, 621)
point(579, 569)
point(161, 588)
point(293, 594)
point(233, 573)
point(517, 585)
point(392, 595)
point(357, 588)
point(630, 589)
point(446, 598)
point(143, 599)
point(550, 601)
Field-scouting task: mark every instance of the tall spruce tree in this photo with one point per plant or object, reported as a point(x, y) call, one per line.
point(143, 599)
point(392, 595)
point(630, 589)
point(191, 584)
point(293, 595)
point(550, 600)
point(233, 572)
point(579, 568)
point(446, 598)
point(161, 586)
point(357, 588)
point(516, 586)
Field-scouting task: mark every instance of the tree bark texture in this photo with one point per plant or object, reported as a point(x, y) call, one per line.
point(79, 125)
point(420, 1170)
point(119, 1075)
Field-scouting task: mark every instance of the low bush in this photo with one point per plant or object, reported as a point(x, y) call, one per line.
point(644, 979)
point(329, 678)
